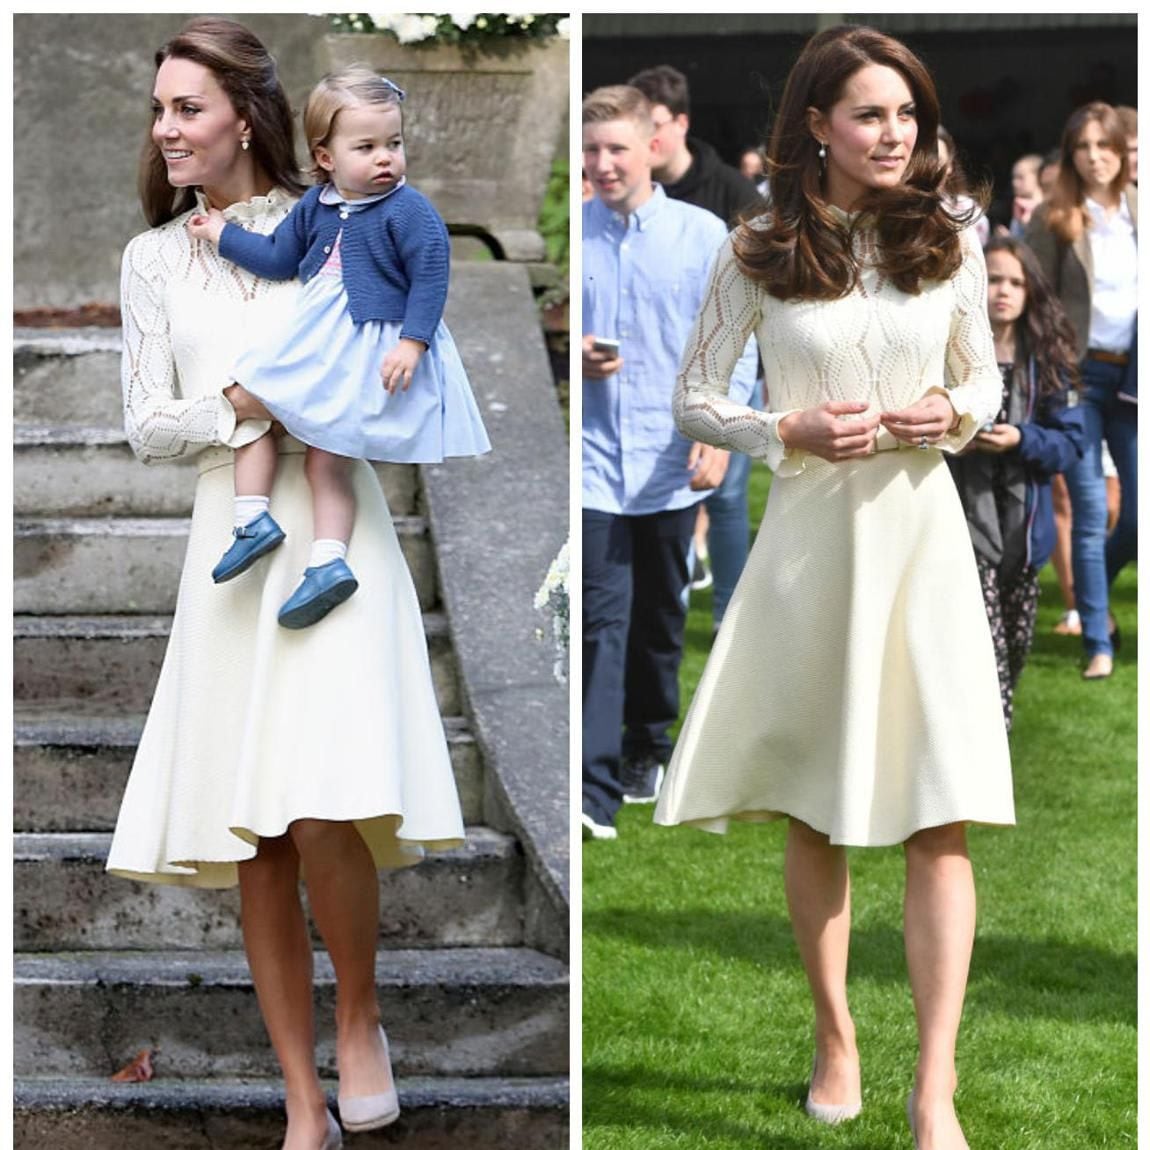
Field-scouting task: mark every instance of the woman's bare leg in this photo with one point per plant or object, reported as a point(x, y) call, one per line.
point(280, 957)
point(343, 891)
point(1113, 502)
point(818, 897)
point(1060, 557)
point(939, 929)
point(256, 466)
point(332, 494)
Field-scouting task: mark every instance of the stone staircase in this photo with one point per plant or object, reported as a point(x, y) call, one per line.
point(477, 1016)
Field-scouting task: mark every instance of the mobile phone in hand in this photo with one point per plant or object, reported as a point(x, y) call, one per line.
point(603, 344)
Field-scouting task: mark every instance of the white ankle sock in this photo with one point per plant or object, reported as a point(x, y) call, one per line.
point(325, 550)
point(249, 507)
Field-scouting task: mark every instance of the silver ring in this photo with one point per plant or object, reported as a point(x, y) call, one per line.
point(922, 443)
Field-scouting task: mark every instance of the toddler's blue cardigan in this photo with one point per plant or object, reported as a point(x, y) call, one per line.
point(395, 255)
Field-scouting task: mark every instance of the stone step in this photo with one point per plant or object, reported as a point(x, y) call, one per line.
point(467, 1011)
point(438, 1114)
point(63, 899)
point(69, 375)
point(108, 664)
point(83, 471)
point(73, 566)
point(70, 770)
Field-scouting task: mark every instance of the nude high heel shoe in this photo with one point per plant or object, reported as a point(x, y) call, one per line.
point(370, 1111)
point(824, 1111)
point(910, 1118)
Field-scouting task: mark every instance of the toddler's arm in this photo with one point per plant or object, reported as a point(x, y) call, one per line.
point(425, 253)
point(276, 256)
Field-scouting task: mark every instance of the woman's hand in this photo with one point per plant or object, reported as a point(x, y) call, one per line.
point(207, 227)
point(834, 431)
point(1002, 437)
point(245, 405)
point(598, 364)
point(399, 365)
point(924, 422)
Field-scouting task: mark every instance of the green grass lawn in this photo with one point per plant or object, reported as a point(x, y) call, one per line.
point(696, 1019)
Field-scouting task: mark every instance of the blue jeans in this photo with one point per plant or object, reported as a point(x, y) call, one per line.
point(729, 533)
point(1095, 560)
point(1122, 439)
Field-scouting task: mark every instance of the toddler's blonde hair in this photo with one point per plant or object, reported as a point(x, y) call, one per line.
point(349, 87)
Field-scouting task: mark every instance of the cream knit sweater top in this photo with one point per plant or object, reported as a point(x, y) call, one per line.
point(876, 345)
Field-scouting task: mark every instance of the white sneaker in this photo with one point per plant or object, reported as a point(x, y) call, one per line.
point(594, 830)
point(702, 576)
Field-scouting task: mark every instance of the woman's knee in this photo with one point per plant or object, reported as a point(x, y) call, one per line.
point(276, 861)
point(316, 838)
point(934, 842)
point(803, 837)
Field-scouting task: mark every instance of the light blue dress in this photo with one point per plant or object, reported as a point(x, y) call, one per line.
point(321, 379)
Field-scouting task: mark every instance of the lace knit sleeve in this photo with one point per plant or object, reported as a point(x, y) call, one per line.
point(973, 381)
point(731, 311)
point(160, 425)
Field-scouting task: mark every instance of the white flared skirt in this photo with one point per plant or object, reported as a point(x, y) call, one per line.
point(852, 684)
point(253, 726)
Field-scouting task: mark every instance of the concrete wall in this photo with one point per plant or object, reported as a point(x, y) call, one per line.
point(82, 86)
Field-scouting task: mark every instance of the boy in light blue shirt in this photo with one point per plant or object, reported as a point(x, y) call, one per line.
point(646, 262)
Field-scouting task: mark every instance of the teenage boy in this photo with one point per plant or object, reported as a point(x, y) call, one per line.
point(646, 261)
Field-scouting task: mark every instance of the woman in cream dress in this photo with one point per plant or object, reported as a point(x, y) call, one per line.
point(267, 751)
point(852, 687)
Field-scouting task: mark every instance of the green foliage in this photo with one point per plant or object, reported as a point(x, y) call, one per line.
point(555, 215)
point(479, 30)
point(696, 1013)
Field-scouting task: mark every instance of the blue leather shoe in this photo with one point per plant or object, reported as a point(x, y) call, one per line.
point(322, 589)
point(261, 535)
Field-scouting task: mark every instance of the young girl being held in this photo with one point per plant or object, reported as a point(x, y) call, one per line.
point(367, 369)
point(1004, 477)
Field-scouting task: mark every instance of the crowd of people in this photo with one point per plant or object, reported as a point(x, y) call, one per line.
point(916, 366)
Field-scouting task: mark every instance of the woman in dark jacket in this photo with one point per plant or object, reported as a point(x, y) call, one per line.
point(1004, 477)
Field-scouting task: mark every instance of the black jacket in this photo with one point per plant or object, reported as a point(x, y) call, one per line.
point(711, 184)
point(1052, 433)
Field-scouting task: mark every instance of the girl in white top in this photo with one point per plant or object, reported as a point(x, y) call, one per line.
point(1086, 239)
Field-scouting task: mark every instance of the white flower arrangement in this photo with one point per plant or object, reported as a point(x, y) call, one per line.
point(465, 28)
point(554, 594)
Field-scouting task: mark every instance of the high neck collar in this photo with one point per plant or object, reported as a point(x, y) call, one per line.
point(251, 209)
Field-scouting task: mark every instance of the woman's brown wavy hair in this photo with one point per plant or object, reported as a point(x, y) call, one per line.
point(1067, 217)
point(247, 73)
point(801, 249)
